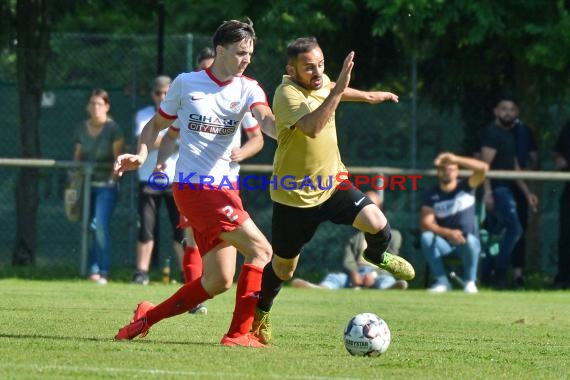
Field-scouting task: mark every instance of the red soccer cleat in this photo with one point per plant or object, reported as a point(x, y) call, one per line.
point(138, 325)
point(247, 340)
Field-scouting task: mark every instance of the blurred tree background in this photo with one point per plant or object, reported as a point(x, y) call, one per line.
point(443, 57)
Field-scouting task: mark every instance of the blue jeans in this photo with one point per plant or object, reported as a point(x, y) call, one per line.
point(434, 248)
point(103, 201)
point(504, 217)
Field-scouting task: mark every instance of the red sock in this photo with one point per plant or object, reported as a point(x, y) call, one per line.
point(247, 292)
point(185, 298)
point(191, 264)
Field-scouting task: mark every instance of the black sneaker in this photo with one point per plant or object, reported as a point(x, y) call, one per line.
point(140, 278)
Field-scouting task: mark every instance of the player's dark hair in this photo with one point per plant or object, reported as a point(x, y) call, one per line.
point(233, 31)
point(205, 53)
point(301, 45)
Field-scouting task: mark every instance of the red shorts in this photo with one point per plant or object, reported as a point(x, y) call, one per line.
point(209, 212)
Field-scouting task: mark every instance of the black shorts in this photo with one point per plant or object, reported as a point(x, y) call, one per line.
point(149, 207)
point(293, 227)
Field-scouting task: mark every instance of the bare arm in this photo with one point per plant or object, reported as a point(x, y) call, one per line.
point(77, 152)
point(167, 148)
point(372, 97)
point(147, 138)
point(266, 120)
point(252, 146)
point(531, 198)
point(313, 123)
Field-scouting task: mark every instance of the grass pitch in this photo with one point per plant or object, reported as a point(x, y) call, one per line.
point(65, 329)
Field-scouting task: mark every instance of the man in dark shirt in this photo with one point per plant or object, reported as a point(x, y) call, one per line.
point(498, 149)
point(448, 220)
point(562, 161)
point(527, 156)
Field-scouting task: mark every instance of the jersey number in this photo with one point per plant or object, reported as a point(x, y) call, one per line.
point(229, 210)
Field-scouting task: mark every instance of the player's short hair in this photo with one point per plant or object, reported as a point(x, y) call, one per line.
point(205, 53)
point(233, 31)
point(300, 46)
point(161, 81)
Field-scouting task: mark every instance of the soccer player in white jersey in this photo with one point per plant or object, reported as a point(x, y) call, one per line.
point(210, 105)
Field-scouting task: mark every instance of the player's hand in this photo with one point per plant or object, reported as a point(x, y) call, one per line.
point(237, 155)
point(344, 76)
point(381, 97)
point(126, 162)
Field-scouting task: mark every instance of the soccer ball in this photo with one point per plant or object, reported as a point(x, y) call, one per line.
point(367, 335)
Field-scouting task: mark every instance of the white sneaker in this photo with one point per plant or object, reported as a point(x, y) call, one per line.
point(101, 281)
point(439, 287)
point(470, 287)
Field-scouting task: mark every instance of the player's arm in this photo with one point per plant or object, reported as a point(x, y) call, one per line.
point(266, 119)
point(372, 97)
point(428, 223)
point(313, 123)
point(252, 146)
point(147, 138)
point(167, 147)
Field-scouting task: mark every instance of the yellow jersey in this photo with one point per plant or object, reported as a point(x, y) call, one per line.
point(305, 170)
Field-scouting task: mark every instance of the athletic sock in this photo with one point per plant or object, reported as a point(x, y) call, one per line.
point(247, 292)
point(185, 298)
point(270, 286)
point(191, 264)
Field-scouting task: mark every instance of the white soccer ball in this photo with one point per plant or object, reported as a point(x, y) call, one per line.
point(367, 335)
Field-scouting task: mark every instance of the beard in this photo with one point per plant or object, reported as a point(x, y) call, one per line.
point(507, 122)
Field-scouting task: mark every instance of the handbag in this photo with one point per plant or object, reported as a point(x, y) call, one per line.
point(73, 196)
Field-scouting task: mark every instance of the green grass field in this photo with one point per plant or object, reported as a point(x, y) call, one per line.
point(65, 329)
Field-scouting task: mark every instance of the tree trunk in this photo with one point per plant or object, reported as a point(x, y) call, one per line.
point(32, 27)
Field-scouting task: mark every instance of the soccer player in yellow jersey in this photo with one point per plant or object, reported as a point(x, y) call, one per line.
point(308, 157)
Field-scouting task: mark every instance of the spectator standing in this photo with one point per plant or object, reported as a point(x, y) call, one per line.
point(151, 194)
point(562, 162)
point(448, 220)
point(100, 140)
point(498, 149)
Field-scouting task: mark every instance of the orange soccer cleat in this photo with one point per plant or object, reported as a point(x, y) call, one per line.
point(138, 325)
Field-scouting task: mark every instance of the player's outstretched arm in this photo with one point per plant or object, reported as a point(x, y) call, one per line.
point(372, 97)
point(126, 162)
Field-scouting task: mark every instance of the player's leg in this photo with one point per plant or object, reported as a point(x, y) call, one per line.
point(147, 210)
point(251, 242)
point(291, 228)
point(219, 270)
point(354, 208)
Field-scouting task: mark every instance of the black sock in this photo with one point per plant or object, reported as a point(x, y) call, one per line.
point(377, 244)
point(270, 287)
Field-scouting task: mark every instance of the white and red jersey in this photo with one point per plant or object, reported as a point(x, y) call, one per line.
point(210, 115)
